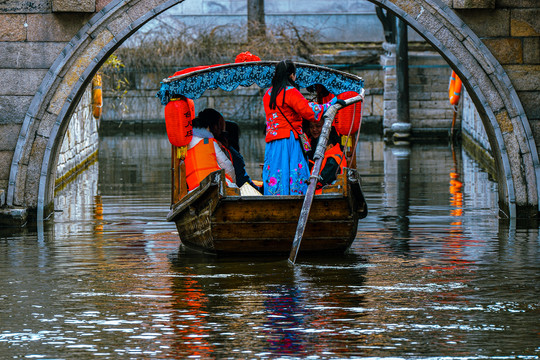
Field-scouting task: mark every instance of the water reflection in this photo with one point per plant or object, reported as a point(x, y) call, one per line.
point(431, 274)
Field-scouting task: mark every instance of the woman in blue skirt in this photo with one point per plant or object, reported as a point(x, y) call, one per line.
point(285, 170)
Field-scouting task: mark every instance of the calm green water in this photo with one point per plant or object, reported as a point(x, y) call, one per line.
point(433, 273)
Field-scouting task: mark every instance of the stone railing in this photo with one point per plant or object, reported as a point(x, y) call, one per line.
point(80, 145)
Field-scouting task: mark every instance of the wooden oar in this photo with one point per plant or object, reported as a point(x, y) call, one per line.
point(328, 118)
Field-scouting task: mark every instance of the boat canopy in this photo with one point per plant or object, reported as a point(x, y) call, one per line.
point(193, 82)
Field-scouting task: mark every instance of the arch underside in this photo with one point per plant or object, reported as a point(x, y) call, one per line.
point(496, 100)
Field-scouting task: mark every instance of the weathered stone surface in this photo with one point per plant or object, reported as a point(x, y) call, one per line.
point(5, 163)
point(15, 217)
point(474, 4)
point(431, 124)
point(377, 106)
point(18, 194)
point(432, 104)
point(506, 98)
point(34, 170)
point(487, 23)
point(73, 5)
point(367, 106)
point(75, 71)
point(428, 114)
point(25, 6)
point(119, 23)
point(531, 50)
point(530, 101)
point(431, 22)
point(100, 4)
point(33, 55)
point(12, 27)
point(470, 62)
point(506, 50)
point(530, 179)
point(517, 3)
point(140, 9)
point(524, 77)
point(535, 127)
point(504, 122)
point(45, 124)
point(55, 27)
point(13, 109)
point(10, 134)
point(520, 188)
point(25, 156)
point(20, 82)
point(525, 22)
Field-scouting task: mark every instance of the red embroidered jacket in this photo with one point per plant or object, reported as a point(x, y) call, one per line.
point(295, 108)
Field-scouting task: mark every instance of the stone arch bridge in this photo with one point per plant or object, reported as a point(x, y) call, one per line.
point(50, 49)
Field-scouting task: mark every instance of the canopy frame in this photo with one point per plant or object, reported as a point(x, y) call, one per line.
point(193, 84)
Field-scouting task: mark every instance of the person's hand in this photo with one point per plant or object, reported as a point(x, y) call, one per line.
point(341, 102)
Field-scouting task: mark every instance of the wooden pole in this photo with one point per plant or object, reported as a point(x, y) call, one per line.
point(402, 72)
point(313, 179)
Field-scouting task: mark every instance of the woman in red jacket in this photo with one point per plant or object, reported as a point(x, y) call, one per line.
point(285, 170)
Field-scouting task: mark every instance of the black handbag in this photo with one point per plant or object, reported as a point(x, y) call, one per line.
point(304, 141)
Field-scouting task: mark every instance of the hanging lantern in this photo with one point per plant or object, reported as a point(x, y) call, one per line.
point(179, 114)
point(97, 97)
point(347, 120)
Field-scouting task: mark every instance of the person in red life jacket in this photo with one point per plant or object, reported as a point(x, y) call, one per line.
point(205, 155)
point(333, 164)
point(334, 159)
point(218, 127)
point(285, 170)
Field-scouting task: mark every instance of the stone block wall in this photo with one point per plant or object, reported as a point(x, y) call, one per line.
point(511, 31)
point(429, 106)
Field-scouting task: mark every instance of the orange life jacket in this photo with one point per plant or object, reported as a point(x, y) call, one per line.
point(200, 161)
point(335, 153)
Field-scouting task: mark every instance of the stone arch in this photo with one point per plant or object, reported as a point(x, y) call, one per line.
point(491, 90)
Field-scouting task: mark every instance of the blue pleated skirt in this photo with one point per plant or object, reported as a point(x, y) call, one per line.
point(285, 170)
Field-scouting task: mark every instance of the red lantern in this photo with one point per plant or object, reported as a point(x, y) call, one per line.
point(347, 120)
point(179, 114)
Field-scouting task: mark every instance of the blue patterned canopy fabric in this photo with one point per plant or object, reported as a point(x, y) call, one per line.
point(228, 77)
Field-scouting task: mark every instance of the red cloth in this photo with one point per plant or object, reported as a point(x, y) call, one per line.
point(245, 57)
point(195, 68)
point(296, 108)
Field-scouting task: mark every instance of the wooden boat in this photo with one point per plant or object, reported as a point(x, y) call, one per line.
point(217, 219)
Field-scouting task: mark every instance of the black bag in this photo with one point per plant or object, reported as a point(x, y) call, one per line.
point(304, 141)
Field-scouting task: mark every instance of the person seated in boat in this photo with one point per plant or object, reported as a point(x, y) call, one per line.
point(205, 155)
point(285, 169)
point(313, 131)
point(334, 160)
point(232, 134)
point(218, 129)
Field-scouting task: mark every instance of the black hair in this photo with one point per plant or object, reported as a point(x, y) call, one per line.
point(232, 132)
point(334, 137)
point(208, 118)
point(281, 79)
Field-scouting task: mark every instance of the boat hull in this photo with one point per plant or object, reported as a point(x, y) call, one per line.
point(214, 222)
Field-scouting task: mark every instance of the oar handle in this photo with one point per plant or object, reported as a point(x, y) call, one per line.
point(328, 118)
